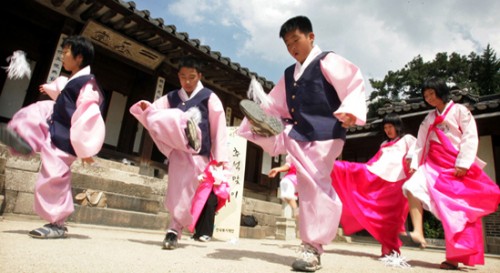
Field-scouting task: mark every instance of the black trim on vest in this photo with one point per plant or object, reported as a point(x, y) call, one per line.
point(200, 100)
point(311, 102)
point(64, 108)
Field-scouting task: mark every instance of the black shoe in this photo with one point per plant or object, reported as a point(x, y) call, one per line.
point(170, 241)
point(13, 140)
point(262, 124)
point(192, 135)
point(308, 261)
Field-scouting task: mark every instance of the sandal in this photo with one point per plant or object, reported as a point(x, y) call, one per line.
point(448, 266)
point(49, 231)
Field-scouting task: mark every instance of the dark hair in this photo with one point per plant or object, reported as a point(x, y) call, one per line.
point(79, 45)
point(439, 86)
point(190, 62)
point(395, 120)
point(302, 23)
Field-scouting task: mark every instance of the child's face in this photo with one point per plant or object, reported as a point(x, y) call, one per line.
point(189, 78)
point(70, 62)
point(431, 98)
point(299, 44)
point(390, 131)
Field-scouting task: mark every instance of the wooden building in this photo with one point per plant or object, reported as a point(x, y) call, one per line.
point(136, 58)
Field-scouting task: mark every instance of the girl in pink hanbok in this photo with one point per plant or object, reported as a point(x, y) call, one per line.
point(288, 184)
point(371, 193)
point(188, 126)
point(69, 127)
point(448, 179)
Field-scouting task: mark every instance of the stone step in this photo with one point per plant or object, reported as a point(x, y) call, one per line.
point(104, 163)
point(127, 202)
point(2, 199)
point(119, 218)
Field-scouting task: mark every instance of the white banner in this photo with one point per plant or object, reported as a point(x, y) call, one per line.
point(227, 220)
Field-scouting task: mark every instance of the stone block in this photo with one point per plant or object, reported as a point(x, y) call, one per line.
point(256, 232)
point(2, 182)
point(19, 180)
point(104, 163)
point(10, 201)
point(30, 164)
point(24, 204)
point(119, 218)
point(3, 161)
point(285, 228)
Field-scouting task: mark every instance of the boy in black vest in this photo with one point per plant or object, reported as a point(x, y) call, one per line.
point(63, 129)
point(318, 97)
point(188, 126)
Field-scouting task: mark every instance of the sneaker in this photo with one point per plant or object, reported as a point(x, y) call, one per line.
point(204, 238)
point(170, 241)
point(49, 231)
point(10, 138)
point(308, 260)
point(192, 135)
point(262, 124)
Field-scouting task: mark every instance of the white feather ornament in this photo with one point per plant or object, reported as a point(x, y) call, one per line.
point(194, 114)
point(257, 94)
point(395, 260)
point(18, 66)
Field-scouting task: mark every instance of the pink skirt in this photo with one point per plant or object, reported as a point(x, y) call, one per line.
point(461, 203)
point(370, 203)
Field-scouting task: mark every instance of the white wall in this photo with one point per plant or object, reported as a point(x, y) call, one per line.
point(485, 153)
point(114, 118)
point(13, 94)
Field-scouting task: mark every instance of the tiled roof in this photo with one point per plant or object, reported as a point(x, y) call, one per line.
point(417, 106)
point(125, 18)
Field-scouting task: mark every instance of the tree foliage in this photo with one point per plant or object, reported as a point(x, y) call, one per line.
point(480, 74)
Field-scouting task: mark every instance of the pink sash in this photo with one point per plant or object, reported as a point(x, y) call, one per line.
point(460, 202)
point(203, 192)
point(371, 203)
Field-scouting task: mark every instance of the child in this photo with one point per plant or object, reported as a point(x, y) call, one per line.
point(371, 193)
point(171, 122)
point(320, 95)
point(62, 131)
point(287, 185)
point(448, 179)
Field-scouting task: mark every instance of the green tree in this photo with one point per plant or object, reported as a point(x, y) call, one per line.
point(479, 74)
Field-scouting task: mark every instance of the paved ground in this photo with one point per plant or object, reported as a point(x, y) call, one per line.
point(108, 249)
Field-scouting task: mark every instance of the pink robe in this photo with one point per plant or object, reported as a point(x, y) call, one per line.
point(53, 197)
point(320, 208)
point(459, 203)
point(166, 126)
point(375, 201)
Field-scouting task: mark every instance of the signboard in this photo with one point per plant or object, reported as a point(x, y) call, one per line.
point(56, 66)
point(227, 220)
point(122, 45)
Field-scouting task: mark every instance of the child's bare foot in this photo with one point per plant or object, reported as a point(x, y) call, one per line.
point(413, 239)
point(418, 239)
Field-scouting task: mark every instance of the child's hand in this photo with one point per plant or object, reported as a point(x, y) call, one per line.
point(347, 119)
point(460, 172)
point(412, 171)
point(273, 172)
point(41, 89)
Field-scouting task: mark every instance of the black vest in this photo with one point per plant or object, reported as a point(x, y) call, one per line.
point(201, 101)
point(311, 102)
point(64, 108)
